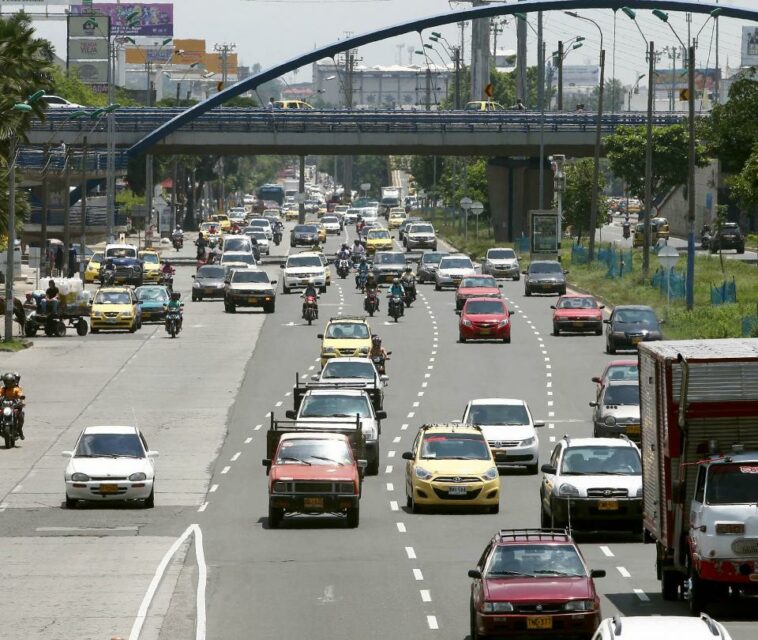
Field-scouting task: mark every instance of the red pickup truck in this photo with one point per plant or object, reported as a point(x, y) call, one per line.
point(314, 472)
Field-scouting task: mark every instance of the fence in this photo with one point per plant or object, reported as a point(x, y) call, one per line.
point(673, 286)
point(578, 254)
point(522, 244)
point(724, 293)
point(618, 261)
point(750, 326)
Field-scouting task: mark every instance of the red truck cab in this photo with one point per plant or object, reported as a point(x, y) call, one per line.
point(314, 473)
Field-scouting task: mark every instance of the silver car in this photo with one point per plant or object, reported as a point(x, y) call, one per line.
point(502, 263)
point(617, 411)
point(427, 266)
point(452, 269)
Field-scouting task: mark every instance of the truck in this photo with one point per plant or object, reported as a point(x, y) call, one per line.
point(699, 443)
point(129, 266)
point(391, 192)
point(391, 197)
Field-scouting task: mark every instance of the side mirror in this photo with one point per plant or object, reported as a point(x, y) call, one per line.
point(511, 312)
point(67, 454)
point(290, 413)
point(565, 272)
point(593, 404)
point(597, 573)
point(606, 321)
point(362, 464)
point(273, 282)
point(282, 264)
point(153, 454)
point(320, 336)
point(601, 306)
point(381, 415)
point(552, 306)
point(523, 272)
point(458, 312)
point(475, 573)
point(407, 455)
point(499, 285)
point(384, 378)
point(548, 468)
point(266, 462)
point(597, 380)
point(539, 424)
point(315, 377)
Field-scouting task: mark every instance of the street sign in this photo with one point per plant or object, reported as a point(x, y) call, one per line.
point(466, 203)
point(476, 208)
point(365, 186)
point(545, 233)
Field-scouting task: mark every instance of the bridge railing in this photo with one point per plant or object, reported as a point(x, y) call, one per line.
point(35, 159)
point(95, 216)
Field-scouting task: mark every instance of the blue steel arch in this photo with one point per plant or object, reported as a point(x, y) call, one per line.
point(331, 50)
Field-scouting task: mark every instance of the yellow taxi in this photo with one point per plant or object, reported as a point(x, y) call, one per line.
point(151, 268)
point(292, 213)
point(659, 228)
point(321, 233)
point(291, 104)
point(223, 221)
point(484, 105)
point(115, 308)
point(396, 217)
point(210, 229)
point(378, 240)
point(345, 336)
point(451, 465)
point(92, 272)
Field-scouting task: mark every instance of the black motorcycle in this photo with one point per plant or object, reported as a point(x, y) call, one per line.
point(167, 280)
point(395, 307)
point(705, 238)
point(107, 277)
point(410, 294)
point(173, 322)
point(626, 230)
point(343, 268)
point(380, 363)
point(371, 302)
point(277, 236)
point(8, 421)
point(178, 242)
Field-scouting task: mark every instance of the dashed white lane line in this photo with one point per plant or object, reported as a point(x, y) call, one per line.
point(390, 454)
point(434, 353)
point(550, 403)
point(411, 553)
point(607, 551)
point(551, 425)
point(304, 376)
point(641, 595)
point(426, 595)
point(420, 394)
point(258, 426)
point(431, 621)
point(431, 359)
point(388, 469)
point(394, 506)
point(427, 375)
point(312, 367)
point(551, 414)
point(403, 427)
point(430, 367)
point(225, 470)
point(624, 573)
point(268, 415)
point(418, 575)
point(289, 393)
point(400, 527)
point(411, 414)
point(202, 507)
point(390, 486)
point(214, 488)
point(416, 404)
point(548, 375)
point(424, 385)
point(396, 439)
point(236, 456)
point(552, 438)
point(248, 440)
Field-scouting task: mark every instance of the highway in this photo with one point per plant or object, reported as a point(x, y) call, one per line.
point(203, 401)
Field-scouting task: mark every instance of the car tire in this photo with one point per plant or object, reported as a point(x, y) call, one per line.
point(527, 292)
point(150, 500)
point(517, 278)
point(437, 287)
point(353, 517)
point(698, 593)
point(415, 506)
point(545, 519)
point(610, 348)
point(670, 583)
point(474, 631)
point(133, 328)
point(194, 298)
point(713, 248)
point(598, 332)
point(556, 330)
point(322, 289)
point(495, 508)
point(275, 516)
point(461, 339)
point(71, 502)
point(285, 289)
point(269, 308)
point(507, 340)
point(741, 249)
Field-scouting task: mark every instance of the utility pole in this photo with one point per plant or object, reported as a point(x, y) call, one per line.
point(457, 62)
point(66, 209)
point(428, 88)
point(560, 75)
point(347, 167)
point(83, 200)
point(541, 104)
point(718, 69)
point(45, 209)
point(673, 54)
point(149, 160)
point(596, 165)
point(224, 49)
point(649, 161)
point(690, 289)
point(12, 151)
point(110, 171)
point(521, 85)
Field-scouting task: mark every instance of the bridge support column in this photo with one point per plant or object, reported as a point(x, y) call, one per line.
point(513, 185)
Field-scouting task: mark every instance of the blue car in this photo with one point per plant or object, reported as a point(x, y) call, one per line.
point(153, 297)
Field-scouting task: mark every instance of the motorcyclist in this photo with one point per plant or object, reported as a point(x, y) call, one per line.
point(377, 351)
point(362, 271)
point(167, 269)
point(396, 289)
point(626, 228)
point(178, 234)
point(310, 292)
point(175, 304)
point(201, 244)
point(12, 390)
point(409, 281)
point(344, 252)
point(358, 249)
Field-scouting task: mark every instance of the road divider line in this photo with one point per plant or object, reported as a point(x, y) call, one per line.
point(258, 426)
point(552, 438)
point(225, 470)
point(416, 405)
point(418, 575)
point(403, 427)
point(388, 469)
point(641, 595)
point(607, 551)
point(236, 456)
point(400, 527)
point(396, 439)
point(393, 505)
point(411, 553)
point(391, 454)
point(390, 486)
point(424, 385)
point(624, 573)
point(420, 394)
point(426, 595)
point(411, 414)
point(248, 440)
point(202, 507)
point(213, 488)
point(432, 622)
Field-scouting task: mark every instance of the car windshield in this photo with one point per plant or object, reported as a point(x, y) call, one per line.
point(347, 330)
point(491, 414)
point(316, 451)
point(373, 234)
point(456, 263)
point(733, 483)
point(484, 307)
point(644, 317)
point(109, 445)
point(626, 372)
point(121, 252)
point(329, 220)
point(238, 257)
point(535, 560)
point(306, 228)
point(112, 297)
point(480, 281)
point(454, 446)
point(617, 394)
point(333, 369)
point(501, 254)
point(210, 272)
point(258, 235)
point(432, 258)
point(389, 258)
point(151, 294)
point(250, 276)
point(545, 267)
point(421, 228)
point(577, 303)
point(207, 227)
point(97, 257)
point(624, 461)
point(324, 406)
point(304, 261)
point(150, 258)
point(260, 222)
point(238, 243)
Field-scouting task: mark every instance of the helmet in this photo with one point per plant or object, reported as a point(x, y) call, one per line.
point(9, 380)
point(363, 260)
point(395, 280)
point(17, 375)
point(311, 281)
point(356, 241)
point(376, 340)
point(344, 245)
point(167, 262)
point(175, 295)
point(408, 269)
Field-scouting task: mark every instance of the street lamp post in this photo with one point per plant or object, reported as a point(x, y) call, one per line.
point(563, 51)
point(466, 204)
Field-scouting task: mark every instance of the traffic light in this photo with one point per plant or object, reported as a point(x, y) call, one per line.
point(684, 95)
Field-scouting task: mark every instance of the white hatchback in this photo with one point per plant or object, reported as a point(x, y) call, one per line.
point(661, 628)
point(110, 463)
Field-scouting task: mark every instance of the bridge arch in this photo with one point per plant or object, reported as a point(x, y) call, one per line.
point(331, 50)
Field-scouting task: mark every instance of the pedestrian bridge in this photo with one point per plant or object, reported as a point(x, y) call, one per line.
point(239, 131)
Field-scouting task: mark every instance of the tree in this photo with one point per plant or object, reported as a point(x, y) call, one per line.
point(626, 153)
point(69, 86)
point(578, 194)
point(744, 185)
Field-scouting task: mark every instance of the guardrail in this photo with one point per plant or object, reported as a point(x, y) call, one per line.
point(33, 159)
point(94, 217)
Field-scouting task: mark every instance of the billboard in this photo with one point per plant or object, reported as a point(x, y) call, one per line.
point(90, 71)
point(705, 79)
point(749, 56)
point(41, 2)
point(88, 48)
point(580, 75)
point(154, 19)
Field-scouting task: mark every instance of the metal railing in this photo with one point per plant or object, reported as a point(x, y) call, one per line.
point(34, 159)
point(94, 217)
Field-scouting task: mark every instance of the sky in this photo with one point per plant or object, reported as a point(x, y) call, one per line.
point(271, 31)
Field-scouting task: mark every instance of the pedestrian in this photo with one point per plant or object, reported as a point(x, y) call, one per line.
point(270, 105)
point(59, 259)
point(71, 261)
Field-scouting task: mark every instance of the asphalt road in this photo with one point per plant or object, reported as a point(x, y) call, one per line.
point(399, 575)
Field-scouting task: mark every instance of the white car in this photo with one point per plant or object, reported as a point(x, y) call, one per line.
point(351, 215)
point(452, 269)
point(237, 215)
point(56, 102)
point(420, 236)
point(264, 246)
point(502, 263)
point(110, 463)
point(593, 483)
point(264, 224)
point(661, 628)
point(300, 268)
point(370, 214)
point(508, 426)
point(331, 224)
point(238, 260)
point(237, 244)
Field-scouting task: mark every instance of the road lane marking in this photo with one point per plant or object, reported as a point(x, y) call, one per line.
point(268, 415)
point(426, 595)
point(403, 426)
point(547, 359)
point(416, 404)
point(434, 353)
point(390, 454)
point(548, 366)
point(202, 507)
point(388, 469)
point(235, 457)
point(225, 470)
point(17, 488)
point(311, 368)
point(430, 367)
point(411, 414)
point(552, 438)
point(624, 573)
point(549, 375)
point(550, 403)
point(396, 439)
point(411, 553)
point(400, 527)
point(607, 551)
point(551, 414)
point(641, 595)
point(424, 385)
point(418, 575)
point(258, 426)
point(550, 393)
point(213, 488)
point(432, 622)
point(390, 486)
point(549, 384)
point(289, 393)
point(393, 505)
point(248, 440)
point(427, 375)
point(420, 394)
point(304, 376)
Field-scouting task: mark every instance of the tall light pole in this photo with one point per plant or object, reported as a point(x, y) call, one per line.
point(598, 127)
point(563, 50)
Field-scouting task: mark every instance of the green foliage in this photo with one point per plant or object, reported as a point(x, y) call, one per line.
point(578, 195)
point(744, 185)
point(371, 169)
point(69, 86)
point(613, 98)
point(626, 153)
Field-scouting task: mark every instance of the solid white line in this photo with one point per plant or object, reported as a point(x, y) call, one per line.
point(202, 507)
point(213, 488)
point(393, 505)
point(411, 553)
point(390, 454)
point(432, 622)
point(400, 527)
point(258, 426)
point(202, 579)
point(624, 573)
point(236, 456)
point(426, 595)
point(388, 469)
point(418, 575)
point(390, 486)
point(641, 595)
point(225, 470)
point(607, 551)
point(396, 439)
point(248, 440)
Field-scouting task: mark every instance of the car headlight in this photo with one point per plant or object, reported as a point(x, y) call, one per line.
point(363, 350)
point(579, 605)
point(423, 474)
point(639, 492)
point(138, 477)
point(466, 323)
point(490, 474)
point(497, 607)
point(610, 421)
point(528, 442)
point(96, 314)
point(79, 477)
point(346, 487)
point(567, 489)
point(196, 285)
point(279, 487)
point(126, 314)
point(502, 323)
point(328, 350)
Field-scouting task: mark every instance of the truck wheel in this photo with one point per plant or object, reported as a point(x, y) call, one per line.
point(373, 466)
point(60, 328)
point(30, 329)
point(670, 583)
point(353, 517)
point(82, 327)
point(274, 517)
point(698, 593)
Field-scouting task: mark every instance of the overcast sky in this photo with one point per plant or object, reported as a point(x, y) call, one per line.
point(270, 31)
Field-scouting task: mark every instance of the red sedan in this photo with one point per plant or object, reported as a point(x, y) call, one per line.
point(476, 287)
point(577, 312)
point(484, 319)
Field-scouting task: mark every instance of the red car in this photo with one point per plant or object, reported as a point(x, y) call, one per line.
point(577, 312)
point(476, 287)
point(533, 583)
point(484, 319)
point(624, 370)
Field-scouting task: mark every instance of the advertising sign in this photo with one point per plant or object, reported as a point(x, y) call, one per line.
point(545, 233)
point(88, 38)
point(749, 56)
point(66, 3)
point(704, 79)
point(88, 49)
point(87, 27)
point(154, 19)
point(90, 71)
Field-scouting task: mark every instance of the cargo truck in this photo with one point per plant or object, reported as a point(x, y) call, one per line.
point(699, 431)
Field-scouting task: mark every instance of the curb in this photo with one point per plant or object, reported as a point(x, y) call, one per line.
point(25, 344)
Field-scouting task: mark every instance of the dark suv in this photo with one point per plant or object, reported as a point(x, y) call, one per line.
point(545, 276)
point(728, 237)
point(533, 583)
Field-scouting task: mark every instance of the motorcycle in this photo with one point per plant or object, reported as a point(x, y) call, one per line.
point(627, 231)
point(8, 417)
point(380, 363)
point(310, 309)
point(173, 322)
point(705, 238)
point(277, 236)
point(360, 280)
point(167, 280)
point(343, 268)
point(178, 242)
point(371, 302)
point(410, 294)
point(107, 277)
point(395, 307)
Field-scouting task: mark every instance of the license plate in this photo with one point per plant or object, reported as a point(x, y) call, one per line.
point(108, 488)
point(608, 505)
point(485, 332)
point(313, 503)
point(457, 491)
point(636, 340)
point(208, 290)
point(542, 622)
point(252, 300)
point(112, 320)
point(634, 429)
point(578, 324)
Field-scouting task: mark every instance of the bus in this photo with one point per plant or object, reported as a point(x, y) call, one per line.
point(271, 192)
